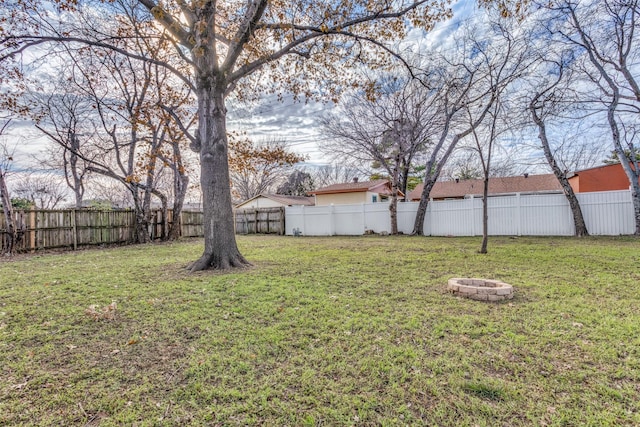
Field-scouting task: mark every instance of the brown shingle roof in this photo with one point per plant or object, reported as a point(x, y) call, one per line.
point(509, 184)
point(351, 187)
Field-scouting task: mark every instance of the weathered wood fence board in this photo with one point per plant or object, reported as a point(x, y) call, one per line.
point(260, 221)
point(192, 224)
point(73, 228)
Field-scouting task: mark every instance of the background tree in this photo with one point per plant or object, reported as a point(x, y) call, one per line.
point(389, 130)
point(12, 232)
point(64, 116)
point(613, 158)
point(298, 183)
point(549, 100)
point(605, 33)
point(336, 173)
point(465, 88)
point(43, 191)
point(257, 168)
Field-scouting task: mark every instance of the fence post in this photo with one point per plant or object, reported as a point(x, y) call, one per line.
point(33, 225)
point(283, 211)
point(74, 228)
point(473, 216)
point(431, 214)
point(255, 223)
point(519, 214)
point(364, 218)
point(332, 220)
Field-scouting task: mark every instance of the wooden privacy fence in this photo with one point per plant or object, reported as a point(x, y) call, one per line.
point(73, 228)
point(260, 221)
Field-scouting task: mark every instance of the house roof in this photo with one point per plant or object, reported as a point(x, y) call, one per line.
point(283, 199)
point(355, 187)
point(291, 200)
point(502, 185)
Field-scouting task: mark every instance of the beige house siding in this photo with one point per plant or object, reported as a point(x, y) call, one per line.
point(346, 198)
point(259, 202)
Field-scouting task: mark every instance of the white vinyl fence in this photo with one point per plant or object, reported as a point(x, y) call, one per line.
point(606, 213)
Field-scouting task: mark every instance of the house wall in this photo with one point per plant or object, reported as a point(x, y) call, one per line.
point(340, 199)
point(346, 198)
point(259, 202)
point(606, 178)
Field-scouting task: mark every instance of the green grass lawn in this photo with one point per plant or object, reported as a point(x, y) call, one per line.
point(325, 331)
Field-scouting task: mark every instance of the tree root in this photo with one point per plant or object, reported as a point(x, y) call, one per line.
point(212, 262)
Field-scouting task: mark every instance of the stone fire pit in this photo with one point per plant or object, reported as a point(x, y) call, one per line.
point(480, 289)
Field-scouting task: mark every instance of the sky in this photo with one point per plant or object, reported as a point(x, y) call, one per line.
point(295, 122)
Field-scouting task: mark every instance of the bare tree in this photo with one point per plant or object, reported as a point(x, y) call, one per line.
point(65, 117)
point(468, 87)
point(298, 183)
point(605, 32)
point(44, 191)
point(546, 102)
point(336, 173)
point(13, 230)
point(502, 73)
point(389, 130)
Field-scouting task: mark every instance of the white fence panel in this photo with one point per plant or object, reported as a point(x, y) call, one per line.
point(309, 220)
point(378, 218)
point(545, 215)
point(606, 213)
point(406, 217)
point(452, 218)
point(504, 216)
point(349, 220)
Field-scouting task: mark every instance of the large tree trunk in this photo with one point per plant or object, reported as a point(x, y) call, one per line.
point(433, 170)
point(220, 248)
point(142, 221)
point(580, 226)
point(418, 226)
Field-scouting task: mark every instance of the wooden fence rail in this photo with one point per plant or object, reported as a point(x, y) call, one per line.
point(73, 228)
